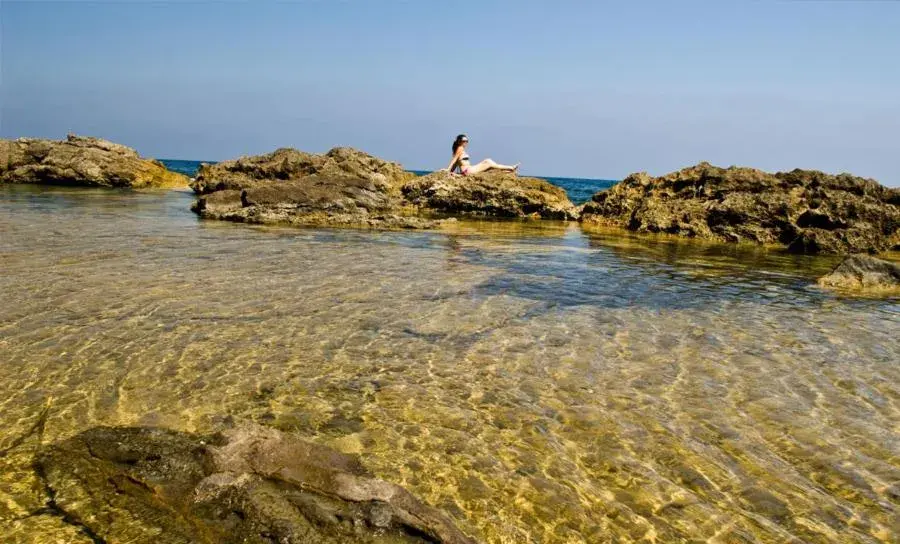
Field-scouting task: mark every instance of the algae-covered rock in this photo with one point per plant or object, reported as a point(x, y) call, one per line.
point(864, 273)
point(248, 484)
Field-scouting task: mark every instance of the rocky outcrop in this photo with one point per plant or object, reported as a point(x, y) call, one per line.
point(285, 164)
point(343, 187)
point(807, 211)
point(864, 273)
point(81, 161)
point(312, 201)
point(346, 187)
point(248, 484)
point(492, 194)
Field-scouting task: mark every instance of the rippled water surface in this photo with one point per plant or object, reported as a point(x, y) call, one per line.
point(538, 382)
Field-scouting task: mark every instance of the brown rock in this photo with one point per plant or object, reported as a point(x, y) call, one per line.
point(249, 484)
point(83, 161)
point(346, 187)
point(343, 187)
point(807, 211)
point(288, 164)
point(493, 193)
point(864, 273)
point(312, 201)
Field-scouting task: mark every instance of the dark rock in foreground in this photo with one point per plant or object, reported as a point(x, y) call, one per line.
point(81, 161)
point(493, 194)
point(251, 484)
point(346, 187)
point(807, 211)
point(864, 273)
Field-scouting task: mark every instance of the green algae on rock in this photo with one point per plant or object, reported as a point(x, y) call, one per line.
point(81, 161)
point(807, 211)
point(864, 273)
point(247, 484)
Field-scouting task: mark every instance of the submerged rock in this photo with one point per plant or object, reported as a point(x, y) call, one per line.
point(83, 161)
point(250, 484)
point(864, 273)
point(493, 193)
point(807, 211)
point(346, 187)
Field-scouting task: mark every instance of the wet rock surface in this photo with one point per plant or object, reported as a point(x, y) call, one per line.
point(346, 187)
point(806, 211)
point(81, 161)
point(247, 484)
point(864, 273)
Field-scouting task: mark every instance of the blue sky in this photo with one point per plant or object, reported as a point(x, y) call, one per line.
point(584, 89)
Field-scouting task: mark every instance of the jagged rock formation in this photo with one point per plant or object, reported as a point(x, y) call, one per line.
point(346, 187)
point(343, 187)
point(491, 194)
point(81, 161)
point(807, 211)
point(287, 164)
point(312, 201)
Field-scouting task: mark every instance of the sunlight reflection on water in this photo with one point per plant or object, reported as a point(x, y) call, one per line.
point(539, 382)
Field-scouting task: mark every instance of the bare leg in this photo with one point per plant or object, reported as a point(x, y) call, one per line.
point(488, 164)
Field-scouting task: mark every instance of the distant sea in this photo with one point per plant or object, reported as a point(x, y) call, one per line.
point(579, 189)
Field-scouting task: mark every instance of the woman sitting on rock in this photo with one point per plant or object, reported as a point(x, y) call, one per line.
point(461, 160)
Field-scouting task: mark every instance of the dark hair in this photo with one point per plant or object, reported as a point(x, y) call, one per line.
point(458, 142)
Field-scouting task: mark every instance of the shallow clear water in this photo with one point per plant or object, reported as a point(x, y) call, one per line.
point(538, 382)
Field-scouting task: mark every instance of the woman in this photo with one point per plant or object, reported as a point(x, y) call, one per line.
point(461, 160)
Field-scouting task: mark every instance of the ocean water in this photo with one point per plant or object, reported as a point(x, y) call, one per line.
point(537, 381)
point(188, 168)
point(579, 190)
